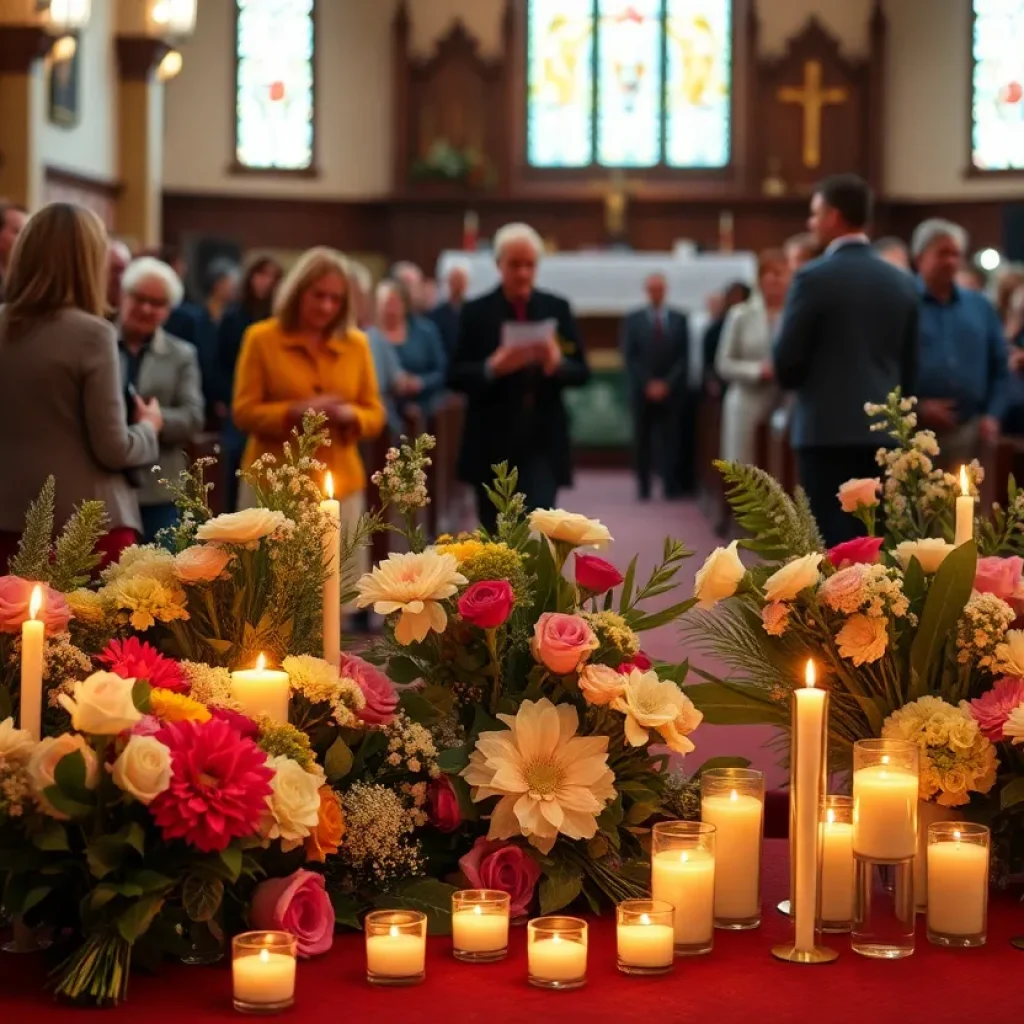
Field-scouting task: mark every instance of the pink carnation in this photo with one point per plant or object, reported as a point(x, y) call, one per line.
point(219, 785)
point(775, 618)
point(298, 904)
point(992, 709)
point(999, 576)
point(505, 867)
point(135, 659)
point(859, 551)
point(380, 693)
point(15, 595)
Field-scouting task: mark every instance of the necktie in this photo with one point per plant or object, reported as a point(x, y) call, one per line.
point(659, 328)
point(519, 305)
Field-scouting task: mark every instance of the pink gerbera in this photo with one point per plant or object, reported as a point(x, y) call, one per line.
point(991, 709)
point(219, 785)
point(135, 659)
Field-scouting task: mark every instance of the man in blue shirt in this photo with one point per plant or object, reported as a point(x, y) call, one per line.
point(963, 376)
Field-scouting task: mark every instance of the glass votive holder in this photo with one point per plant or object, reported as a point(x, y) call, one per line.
point(480, 925)
point(557, 952)
point(958, 856)
point(732, 799)
point(837, 870)
point(263, 971)
point(396, 947)
point(645, 936)
point(683, 877)
point(885, 783)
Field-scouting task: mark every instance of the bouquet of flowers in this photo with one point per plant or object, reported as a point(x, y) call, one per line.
point(553, 727)
point(913, 633)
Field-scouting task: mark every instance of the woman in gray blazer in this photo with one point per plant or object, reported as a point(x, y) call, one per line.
point(157, 365)
point(62, 409)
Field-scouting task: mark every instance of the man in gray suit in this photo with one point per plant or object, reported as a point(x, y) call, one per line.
point(848, 336)
point(655, 352)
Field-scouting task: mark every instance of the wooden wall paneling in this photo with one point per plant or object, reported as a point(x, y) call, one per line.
point(97, 194)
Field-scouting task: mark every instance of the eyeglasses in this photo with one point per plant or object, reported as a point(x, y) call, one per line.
point(148, 300)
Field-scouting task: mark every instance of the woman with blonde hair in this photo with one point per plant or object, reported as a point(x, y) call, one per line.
point(309, 356)
point(744, 359)
point(62, 409)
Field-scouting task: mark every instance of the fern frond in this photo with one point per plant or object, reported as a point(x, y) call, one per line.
point(808, 522)
point(32, 562)
point(778, 529)
point(74, 554)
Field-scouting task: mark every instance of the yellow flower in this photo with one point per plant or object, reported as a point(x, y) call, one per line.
point(787, 583)
point(412, 584)
point(863, 639)
point(176, 707)
point(87, 607)
point(146, 600)
point(719, 576)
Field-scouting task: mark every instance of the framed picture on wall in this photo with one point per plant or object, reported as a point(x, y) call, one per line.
point(63, 82)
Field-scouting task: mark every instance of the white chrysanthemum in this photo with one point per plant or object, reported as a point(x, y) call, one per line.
point(550, 780)
point(652, 703)
point(148, 560)
point(246, 528)
point(1013, 727)
point(319, 682)
point(412, 584)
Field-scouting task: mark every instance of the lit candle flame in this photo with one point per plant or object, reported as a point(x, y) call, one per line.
point(645, 919)
point(261, 663)
point(885, 759)
point(265, 956)
point(329, 485)
point(830, 816)
point(556, 938)
point(965, 487)
point(478, 910)
point(683, 857)
point(734, 795)
point(35, 603)
point(956, 835)
point(393, 931)
point(809, 677)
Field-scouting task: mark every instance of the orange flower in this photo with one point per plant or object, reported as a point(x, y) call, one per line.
point(330, 827)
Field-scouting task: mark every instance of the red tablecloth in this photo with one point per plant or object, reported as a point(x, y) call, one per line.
point(739, 983)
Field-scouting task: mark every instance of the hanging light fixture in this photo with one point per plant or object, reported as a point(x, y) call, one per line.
point(170, 66)
point(173, 17)
point(62, 17)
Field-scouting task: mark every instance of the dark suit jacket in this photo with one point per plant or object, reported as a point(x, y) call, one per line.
point(521, 416)
point(648, 357)
point(446, 319)
point(848, 336)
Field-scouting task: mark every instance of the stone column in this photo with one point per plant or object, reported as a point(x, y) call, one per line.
point(21, 112)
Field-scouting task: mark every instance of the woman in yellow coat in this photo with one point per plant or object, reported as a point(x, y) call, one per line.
point(308, 356)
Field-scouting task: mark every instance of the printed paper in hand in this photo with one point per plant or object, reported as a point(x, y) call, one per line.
point(519, 334)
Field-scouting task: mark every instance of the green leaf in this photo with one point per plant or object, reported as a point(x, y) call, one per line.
point(69, 777)
point(418, 708)
point(428, 895)
point(72, 808)
point(641, 812)
point(467, 808)
point(721, 762)
point(662, 618)
point(561, 884)
point(914, 581)
point(140, 696)
point(104, 855)
point(950, 590)
point(483, 722)
point(346, 910)
point(611, 817)
point(338, 761)
point(730, 703)
point(135, 921)
point(201, 897)
point(52, 838)
point(453, 760)
point(34, 897)
point(150, 881)
point(134, 836)
point(626, 594)
point(1012, 794)
point(403, 670)
point(231, 858)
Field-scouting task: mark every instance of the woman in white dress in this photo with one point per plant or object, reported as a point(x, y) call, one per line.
point(744, 359)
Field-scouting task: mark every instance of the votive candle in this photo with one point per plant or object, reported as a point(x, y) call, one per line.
point(683, 876)
point(262, 691)
point(263, 971)
point(958, 868)
point(396, 947)
point(480, 924)
point(645, 936)
point(557, 952)
point(885, 792)
point(837, 867)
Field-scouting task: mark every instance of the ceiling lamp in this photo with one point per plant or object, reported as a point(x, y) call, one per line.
point(64, 16)
point(170, 66)
point(173, 17)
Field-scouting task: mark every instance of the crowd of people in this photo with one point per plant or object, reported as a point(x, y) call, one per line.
point(108, 370)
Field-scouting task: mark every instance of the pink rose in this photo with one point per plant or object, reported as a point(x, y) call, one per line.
point(15, 595)
point(596, 575)
point(443, 805)
point(999, 576)
point(505, 867)
point(380, 693)
point(487, 604)
point(857, 492)
point(298, 904)
point(562, 643)
point(992, 708)
point(859, 551)
point(639, 661)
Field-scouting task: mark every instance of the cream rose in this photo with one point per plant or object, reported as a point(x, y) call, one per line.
point(201, 563)
point(719, 576)
point(143, 769)
point(43, 763)
point(792, 578)
point(249, 526)
point(102, 704)
point(600, 685)
point(569, 528)
point(855, 493)
point(931, 553)
point(294, 804)
point(1010, 653)
point(16, 745)
point(863, 639)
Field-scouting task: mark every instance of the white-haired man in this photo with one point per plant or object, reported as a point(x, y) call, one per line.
point(409, 275)
point(515, 411)
point(963, 377)
point(446, 314)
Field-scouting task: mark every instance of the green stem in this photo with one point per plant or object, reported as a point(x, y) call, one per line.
point(491, 636)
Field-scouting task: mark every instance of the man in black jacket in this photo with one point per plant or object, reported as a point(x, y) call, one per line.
point(515, 411)
point(848, 336)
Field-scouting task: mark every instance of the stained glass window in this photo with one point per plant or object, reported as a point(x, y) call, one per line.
point(629, 83)
point(274, 92)
point(997, 98)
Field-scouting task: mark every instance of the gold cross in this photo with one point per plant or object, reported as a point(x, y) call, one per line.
point(813, 99)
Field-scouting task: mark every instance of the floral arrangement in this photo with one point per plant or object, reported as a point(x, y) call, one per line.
point(914, 634)
point(554, 729)
point(444, 161)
